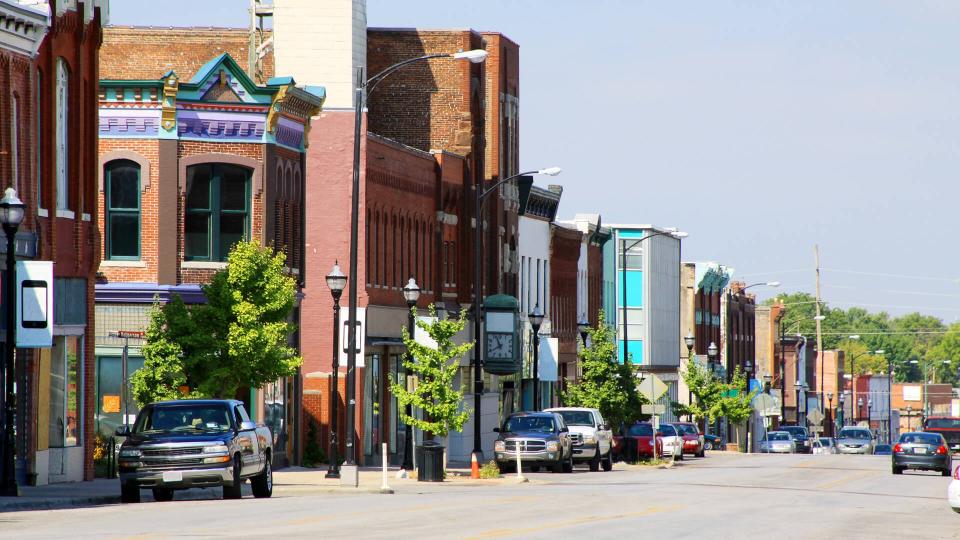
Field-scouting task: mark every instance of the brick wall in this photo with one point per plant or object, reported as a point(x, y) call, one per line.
point(131, 52)
point(564, 256)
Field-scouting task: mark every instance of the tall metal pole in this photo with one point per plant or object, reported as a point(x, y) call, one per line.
point(352, 298)
point(477, 314)
point(623, 279)
point(333, 469)
point(819, 357)
point(8, 481)
point(889, 401)
point(408, 429)
point(536, 367)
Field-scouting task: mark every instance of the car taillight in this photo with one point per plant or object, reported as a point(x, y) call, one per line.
point(897, 448)
point(942, 450)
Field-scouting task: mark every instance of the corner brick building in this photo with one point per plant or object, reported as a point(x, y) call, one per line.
point(193, 157)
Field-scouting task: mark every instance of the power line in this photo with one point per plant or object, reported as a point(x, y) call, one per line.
point(899, 276)
point(892, 291)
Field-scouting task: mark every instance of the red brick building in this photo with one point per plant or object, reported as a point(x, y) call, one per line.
point(193, 158)
point(48, 68)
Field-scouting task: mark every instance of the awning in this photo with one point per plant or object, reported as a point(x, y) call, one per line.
point(373, 341)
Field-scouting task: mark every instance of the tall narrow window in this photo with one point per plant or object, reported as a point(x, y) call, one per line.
point(15, 142)
point(121, 195)
point(62, 132)
point(39, 139)
point(217, 210)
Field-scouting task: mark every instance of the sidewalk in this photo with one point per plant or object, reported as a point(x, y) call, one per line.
point(288, 482)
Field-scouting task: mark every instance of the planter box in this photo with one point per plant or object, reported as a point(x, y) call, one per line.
point(733, 447)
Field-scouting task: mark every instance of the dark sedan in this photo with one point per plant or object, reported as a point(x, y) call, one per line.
point(922, 451)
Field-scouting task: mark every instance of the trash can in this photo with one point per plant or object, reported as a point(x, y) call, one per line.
point(430, 462)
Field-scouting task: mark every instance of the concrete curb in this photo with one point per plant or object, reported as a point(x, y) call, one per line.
point(18, 505)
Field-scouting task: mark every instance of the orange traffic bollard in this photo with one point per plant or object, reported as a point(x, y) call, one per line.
point(474, 466)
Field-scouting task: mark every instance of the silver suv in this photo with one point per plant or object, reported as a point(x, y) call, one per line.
point(591, 436)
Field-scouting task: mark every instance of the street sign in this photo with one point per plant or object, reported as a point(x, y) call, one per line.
point(656, 408)
point(652, 387)
point(815, 417)
point(766, 405)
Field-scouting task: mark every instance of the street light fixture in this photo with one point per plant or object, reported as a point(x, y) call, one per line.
point(584, 328)
point(11, 216)
point(536, 319)
point(411, 293)
point(842, 399)
point(363, 86)
point(336, 281)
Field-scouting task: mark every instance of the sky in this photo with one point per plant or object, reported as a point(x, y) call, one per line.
point(761, 128)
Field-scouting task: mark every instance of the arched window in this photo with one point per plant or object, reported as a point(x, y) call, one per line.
point(217, 210)
point(121, 202)
point(62, 133)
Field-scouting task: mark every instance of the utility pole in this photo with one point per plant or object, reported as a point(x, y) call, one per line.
point(816, 260)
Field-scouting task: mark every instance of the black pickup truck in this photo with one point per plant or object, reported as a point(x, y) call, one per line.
point(948, 426)
point(194, 444)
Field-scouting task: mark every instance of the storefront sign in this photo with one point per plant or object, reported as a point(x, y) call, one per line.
point(34, 304)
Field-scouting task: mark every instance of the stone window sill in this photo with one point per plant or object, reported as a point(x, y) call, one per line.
point(123, 264)
point(66, 214)
point(42, 212)
point(203, 265)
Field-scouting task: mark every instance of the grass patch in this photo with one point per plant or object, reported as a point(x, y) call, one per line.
point(490, 471)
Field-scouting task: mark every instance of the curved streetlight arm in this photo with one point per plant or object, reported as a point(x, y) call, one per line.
point(489, 190)
point(372, 82)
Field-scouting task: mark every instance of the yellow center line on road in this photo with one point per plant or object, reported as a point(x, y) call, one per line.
point(846, 479)
point(503, 533)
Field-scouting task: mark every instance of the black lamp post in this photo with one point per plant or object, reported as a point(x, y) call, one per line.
point(869, 406)
point(856, 417)
point(797, 388)
point(689, 340)
point(909, 412)
point(362, 87)
point(11, 215)
point(411, 293)
point(712, 353)
point(584, 328)
point(536, 319)
point(842, 399)
point(748, 368)
point(336, 280)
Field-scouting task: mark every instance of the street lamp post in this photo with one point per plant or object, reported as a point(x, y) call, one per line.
point(842, 399)
point(11, 215)
point(856, 417)
point(584, 328)
point(797, 388)
point(909, 413)
point(712, 353)
point(689, 340)
point(481, 195)
point(869, 407)
point(363, 86)
point(536, 319)
point(748, 368)
point(833, 419)
point(411, 293)
point(336, 281)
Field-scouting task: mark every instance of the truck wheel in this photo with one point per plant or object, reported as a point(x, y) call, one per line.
point(262, 484)
point(568, 465)
point(234, 491)
point(162, 494)
point(595, 461)
point(129, 493)
point(558, 466)
point(505, 467)
point(608, 461)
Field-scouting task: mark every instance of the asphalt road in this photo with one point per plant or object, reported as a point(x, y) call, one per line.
point(719, 497)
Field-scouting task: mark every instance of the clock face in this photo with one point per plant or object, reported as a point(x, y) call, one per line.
point(499, 346)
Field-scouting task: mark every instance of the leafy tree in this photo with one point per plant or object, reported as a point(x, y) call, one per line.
point(947, 348)
point(606, 384)
point(707, 391)
point(435, 369)
point(737, 403)
point(237, 339)
point(858, 357)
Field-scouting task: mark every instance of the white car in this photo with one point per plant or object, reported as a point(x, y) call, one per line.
point(671, 441)
point(953, 492)
point(591, 436)
point(778, 442)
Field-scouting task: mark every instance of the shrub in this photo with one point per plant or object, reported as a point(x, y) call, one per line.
point(490, 471)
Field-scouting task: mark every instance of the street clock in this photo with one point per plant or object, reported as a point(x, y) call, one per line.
point(502, 338)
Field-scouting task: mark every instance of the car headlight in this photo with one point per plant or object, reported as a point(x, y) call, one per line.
point(130, 453)
point(553, 446)
point(499, 446)
point(216, 449)
point(590, 439)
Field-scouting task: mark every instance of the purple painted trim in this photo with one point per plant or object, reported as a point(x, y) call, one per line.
point(143, 293)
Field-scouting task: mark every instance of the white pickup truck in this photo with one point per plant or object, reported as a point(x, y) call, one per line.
point(591, 436)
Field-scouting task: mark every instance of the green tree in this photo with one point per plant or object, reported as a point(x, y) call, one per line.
point(606, 384)
point(737, 403)
point(435, 369)
point(238, 339)
point(707, 390)
point(947, 348)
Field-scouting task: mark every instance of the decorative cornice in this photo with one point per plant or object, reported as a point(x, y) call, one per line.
point(168, 118)
point(22, 28)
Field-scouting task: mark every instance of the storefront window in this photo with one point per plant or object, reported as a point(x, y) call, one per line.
point(66, 387)
point(274, 413)
point(110, 405)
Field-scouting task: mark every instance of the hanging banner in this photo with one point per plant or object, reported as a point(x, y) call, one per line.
point(547, 361)
point(34, 304)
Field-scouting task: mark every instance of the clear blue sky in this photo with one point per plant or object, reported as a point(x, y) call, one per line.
point(760, 127)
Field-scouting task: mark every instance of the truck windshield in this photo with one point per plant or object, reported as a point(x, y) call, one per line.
point(186, 417)
point(529, 423)
point(577, 418)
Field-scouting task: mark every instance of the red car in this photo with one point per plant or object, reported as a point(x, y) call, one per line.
point(692, 438)
point(636, 443)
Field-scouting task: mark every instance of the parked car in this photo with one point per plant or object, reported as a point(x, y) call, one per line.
point(636, 443)
point(922, 451)
point(948, 426)
point(801, 438)
point(186, 444)
point(712, 442)
point(671, 441)
point(693, 440)
point(591, 436)
point(825, 445)
point(855, 440)
point(541, 438)
point(953, 491)
point(882, 450)
point(778, 442)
